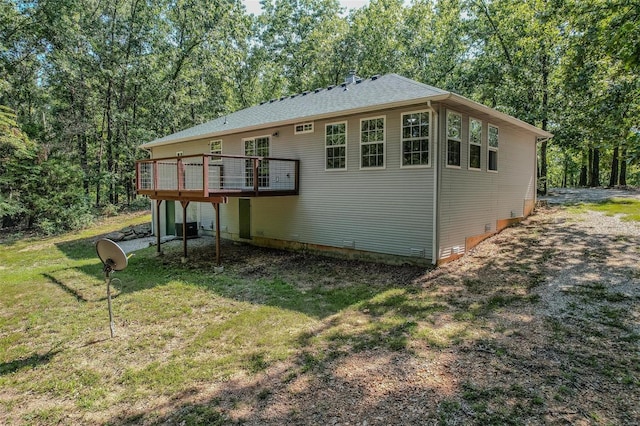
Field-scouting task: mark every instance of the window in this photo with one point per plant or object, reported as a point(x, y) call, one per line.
point(303, 128)
point(415, 139)
point(372, 142)
point(258, 147)
point(215, 147)
point(454, 137)
point(335, 141)
point(493, 149)
point(475, 143)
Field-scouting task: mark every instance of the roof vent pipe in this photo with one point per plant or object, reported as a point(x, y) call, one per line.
point(351, 78)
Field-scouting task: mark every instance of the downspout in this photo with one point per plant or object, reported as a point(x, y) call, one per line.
point(434, 144)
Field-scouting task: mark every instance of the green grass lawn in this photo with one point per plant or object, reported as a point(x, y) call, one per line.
point(176, 326)
point(195, 347)
point(627, 208)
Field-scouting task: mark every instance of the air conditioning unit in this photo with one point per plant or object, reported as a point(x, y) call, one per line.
point(192, 229)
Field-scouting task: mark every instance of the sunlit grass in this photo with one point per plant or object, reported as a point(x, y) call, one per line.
point(183, 330)
point(176, 327)
point(627, 208)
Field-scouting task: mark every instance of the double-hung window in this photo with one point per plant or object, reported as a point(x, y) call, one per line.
point(475, 143)
point(335, 142)
point(372, 142)
point(493, 149)
point(454, 138)
point(415, 139)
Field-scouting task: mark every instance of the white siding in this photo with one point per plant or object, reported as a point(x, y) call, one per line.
point(471, 201)
point(386, 211)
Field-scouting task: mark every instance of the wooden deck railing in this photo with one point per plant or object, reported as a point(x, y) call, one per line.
point(203, 176)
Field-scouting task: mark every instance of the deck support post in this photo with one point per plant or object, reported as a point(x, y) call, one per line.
point(158, 249)
point(184, 230)
point(256, 163)
point(216, 207)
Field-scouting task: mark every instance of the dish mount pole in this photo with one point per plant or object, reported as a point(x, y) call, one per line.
point(108, 270)
point(113, 259)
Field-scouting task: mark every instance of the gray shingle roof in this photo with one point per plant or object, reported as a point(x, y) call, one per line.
point(371, 93)
point(382, 90)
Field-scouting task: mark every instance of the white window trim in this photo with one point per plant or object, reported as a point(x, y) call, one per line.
point(478, 169)
point(302, 132)
point(268, 136)
point(446, 145)
point(416, 166)
point(384, 142)
point(216, 160)
point(490, 148)
point(346, 146)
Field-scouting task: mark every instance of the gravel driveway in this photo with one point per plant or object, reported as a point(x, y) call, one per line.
point(581, 195)
point(593, 254)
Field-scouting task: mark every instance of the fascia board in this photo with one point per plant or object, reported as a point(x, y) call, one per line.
point(500, 115)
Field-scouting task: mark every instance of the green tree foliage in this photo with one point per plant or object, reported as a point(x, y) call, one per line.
point(90, 80)
point(34, 189)
point(600, 92)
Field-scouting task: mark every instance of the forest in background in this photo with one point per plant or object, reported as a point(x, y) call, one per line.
point(84, 82)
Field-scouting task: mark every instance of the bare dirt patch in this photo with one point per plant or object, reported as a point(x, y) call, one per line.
point(305, 270)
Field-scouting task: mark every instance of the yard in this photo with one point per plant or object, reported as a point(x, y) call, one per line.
point(539, 324)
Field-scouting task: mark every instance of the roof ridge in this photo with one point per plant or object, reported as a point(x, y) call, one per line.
point(417, 83)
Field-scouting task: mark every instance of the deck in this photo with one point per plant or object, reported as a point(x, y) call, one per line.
point(211, 178)
point(208, 177)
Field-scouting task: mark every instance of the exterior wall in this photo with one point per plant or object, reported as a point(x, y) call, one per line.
point(473, 204)
point(387, 211)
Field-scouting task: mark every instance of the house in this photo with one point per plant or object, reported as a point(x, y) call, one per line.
point(383, 167)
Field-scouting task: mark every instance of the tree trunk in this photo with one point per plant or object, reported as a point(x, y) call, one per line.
point(565, 172)
point(582, 180)
point(594, 179)
point(623, 167)
point(589, 167)
point(543, 166)
point(545, 120)
point(110, 154)
point(84, 164)
point(613, 176)
point(583, 176)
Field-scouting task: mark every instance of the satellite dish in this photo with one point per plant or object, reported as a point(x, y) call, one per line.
point(113, 259)
point(111, 255)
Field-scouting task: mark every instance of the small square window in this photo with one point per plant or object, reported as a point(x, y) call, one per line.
point(302, 128)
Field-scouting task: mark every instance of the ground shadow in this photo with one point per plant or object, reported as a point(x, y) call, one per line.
point(312, 284)
point(527, 369)
point(31, 361)
point(66, 288)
